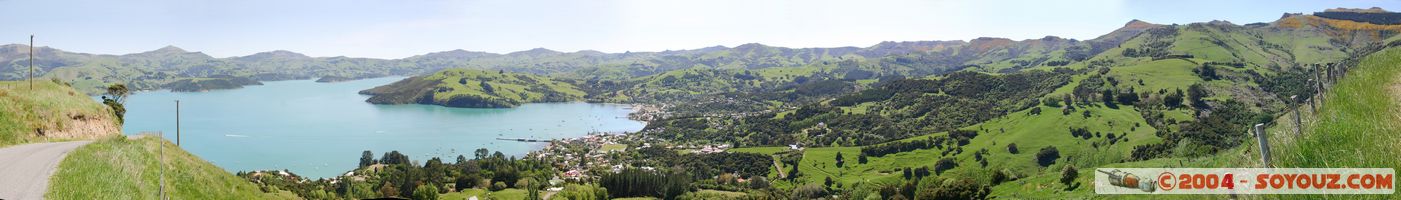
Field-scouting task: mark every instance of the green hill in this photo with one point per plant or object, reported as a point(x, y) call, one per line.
point(121, 168)
point(51, 111)
point(474, 89)
point(1118, 98)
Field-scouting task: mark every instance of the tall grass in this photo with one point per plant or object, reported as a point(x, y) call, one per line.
point(1357, 124)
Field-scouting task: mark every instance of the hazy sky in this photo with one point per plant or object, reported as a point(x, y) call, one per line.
point(401, 28)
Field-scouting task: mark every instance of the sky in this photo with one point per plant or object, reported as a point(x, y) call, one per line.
point(403, 28)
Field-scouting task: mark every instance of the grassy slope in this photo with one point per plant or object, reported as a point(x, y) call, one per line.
point(51, 107)
point(119, 168)
point(1032, 132)
point(506, 85)
point(509, 89)
point(1357, 121)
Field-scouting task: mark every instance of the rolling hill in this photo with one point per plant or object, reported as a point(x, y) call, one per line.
point(1113, 112)
point(474, 89)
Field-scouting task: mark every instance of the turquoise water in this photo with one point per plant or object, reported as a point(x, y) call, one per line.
point(320, 129)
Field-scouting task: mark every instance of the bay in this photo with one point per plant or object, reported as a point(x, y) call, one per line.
point(320, 129)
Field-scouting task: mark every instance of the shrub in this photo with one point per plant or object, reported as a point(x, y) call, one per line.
point(498, 186)
point(425, 192)
point(1047, 156)
point(467, 181)
point(943, 165)
point(1012, 148)
point(583, 192)
point(999, 176)
point(522, 183)
point(809, 191)
point(758, 183)
point(1068, 175)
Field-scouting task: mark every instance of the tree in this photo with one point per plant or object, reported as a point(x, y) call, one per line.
point(861, 158)
point(1047, 156)
point(387, 189)
point(1051, 102)
point(1195, 93)
point(467, 182)
point(809, 191)
point(1128, 97)
point(944, 165)
point(1068, 175)
point(1207, 72)
point(1107, 96)
point(999, 176)
point(827, 182)
point(367, 158)
point(498, 186)
point(758, 183)
point(118, 92)
point(1173, 100)
point(487, 87)
point(532, 189)
point(481, 153)
point(426, 192)
point(640, 183)
point(1012, 148)
point(839, 159)
point(116, 99)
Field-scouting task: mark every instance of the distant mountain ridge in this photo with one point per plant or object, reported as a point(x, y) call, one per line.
point(158, 68)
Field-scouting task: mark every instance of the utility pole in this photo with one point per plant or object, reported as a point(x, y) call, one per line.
point(177, 122)
point(31, 62)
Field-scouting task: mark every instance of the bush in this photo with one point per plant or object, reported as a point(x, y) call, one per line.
point(467, 182)
point(1047, 156)
point(498, 186)
point(1173, 100)
point(1068, 175)
point(1000, 176)
point(522, 183)
point(1051, 102)
point(809, 191)
point(425, 192)
point(758, 183)
point(943, 165)
point(583, 192)
point(1012, 148)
